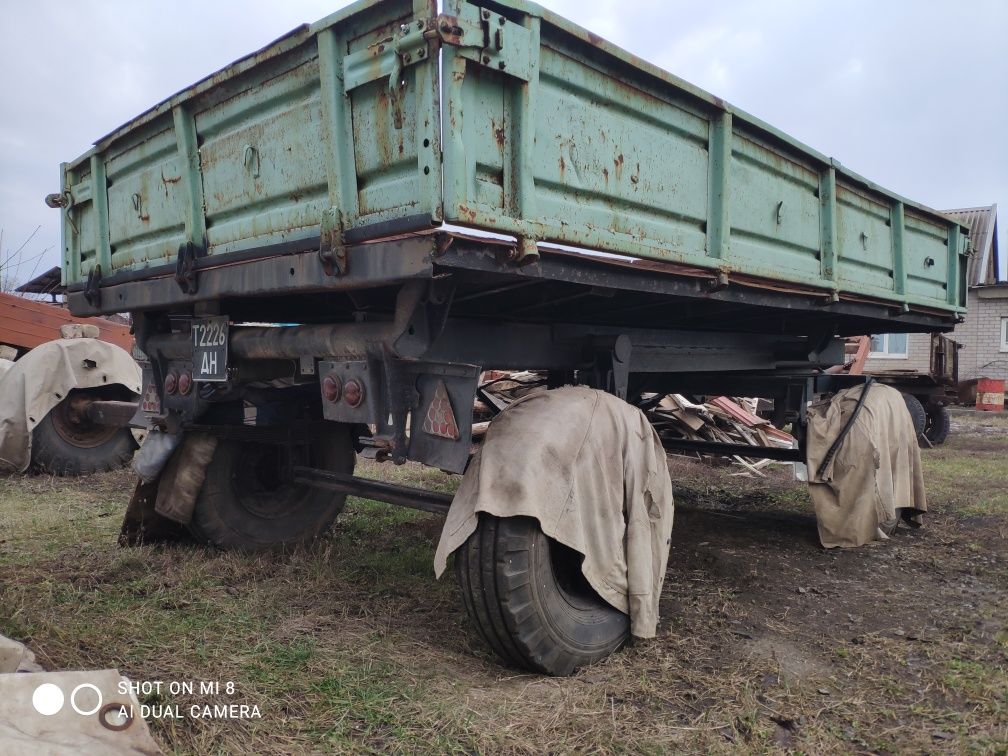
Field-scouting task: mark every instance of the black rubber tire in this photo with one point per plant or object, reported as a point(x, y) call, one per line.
point(244, 504)
point(529, 601)
point(916, 410)
point(938, 425)
point(63, 447)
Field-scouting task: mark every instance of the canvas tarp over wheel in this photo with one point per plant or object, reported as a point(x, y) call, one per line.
point(875, 476)
point(591, 469)
point(37, 382)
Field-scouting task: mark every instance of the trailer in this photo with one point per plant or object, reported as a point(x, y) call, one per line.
point(340, 231)
point(927, 393)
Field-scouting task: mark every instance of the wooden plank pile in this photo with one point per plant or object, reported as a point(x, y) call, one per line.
point(719, 419)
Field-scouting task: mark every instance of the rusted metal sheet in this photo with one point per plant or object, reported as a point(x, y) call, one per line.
point(334, 134)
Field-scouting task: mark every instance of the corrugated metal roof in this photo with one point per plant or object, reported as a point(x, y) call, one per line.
point(983, 263)
point(44, 283)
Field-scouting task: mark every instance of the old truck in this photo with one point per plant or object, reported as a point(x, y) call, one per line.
point(340, 231)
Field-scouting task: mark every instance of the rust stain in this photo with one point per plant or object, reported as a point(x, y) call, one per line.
point(381, 132)
point(636, 176)
point(563, 166)
point(467, 212)
point(605, 174)
point(618, 166)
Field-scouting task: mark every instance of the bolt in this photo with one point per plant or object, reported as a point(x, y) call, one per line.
point(501, 20)
point(486, 59)
point(485, 13)
point(408, 57)
point(502, 65)
point(446, 27)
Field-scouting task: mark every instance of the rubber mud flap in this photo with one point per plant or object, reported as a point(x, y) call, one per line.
point(527, 598)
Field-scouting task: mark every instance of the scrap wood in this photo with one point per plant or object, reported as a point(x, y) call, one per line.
point(747, 418)
point(498, 389)
point(721, 420)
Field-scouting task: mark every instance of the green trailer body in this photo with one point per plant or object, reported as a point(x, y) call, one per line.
point(387, 118)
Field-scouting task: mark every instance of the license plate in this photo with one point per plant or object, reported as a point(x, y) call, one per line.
point(210, 349)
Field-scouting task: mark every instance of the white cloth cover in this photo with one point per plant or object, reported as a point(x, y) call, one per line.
point(23, 730)
point(36, 383)
point(591, 469)
point(875, 476)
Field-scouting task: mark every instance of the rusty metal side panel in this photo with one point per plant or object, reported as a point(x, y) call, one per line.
point(552, 134)
point(331, 128)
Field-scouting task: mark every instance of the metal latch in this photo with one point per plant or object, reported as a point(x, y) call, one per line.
point(332, 248)
point(490, 39)
point(388, 58)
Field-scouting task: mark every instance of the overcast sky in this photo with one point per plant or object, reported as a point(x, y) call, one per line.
point(912, 94)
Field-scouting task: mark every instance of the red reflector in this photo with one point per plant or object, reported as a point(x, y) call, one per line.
point(353, 392)
point(440, 420)
point(170, 383)
point(151, 400)
point(184, 383)
point(332, 387)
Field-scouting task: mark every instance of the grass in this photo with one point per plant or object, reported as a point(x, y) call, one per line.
point(350, 645)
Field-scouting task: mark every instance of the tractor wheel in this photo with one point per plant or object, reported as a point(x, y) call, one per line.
point(247, 502)
point(916, 410)
point(67, 442)
point(938, 424)
point(528, 599)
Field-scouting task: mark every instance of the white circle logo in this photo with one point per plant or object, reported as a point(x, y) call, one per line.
point(47, 699)
point(73, 699)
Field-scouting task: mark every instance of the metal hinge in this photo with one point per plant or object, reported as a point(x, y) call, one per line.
point(490, 39)
point(186, 272)
point(332, 247)
point(92, 287)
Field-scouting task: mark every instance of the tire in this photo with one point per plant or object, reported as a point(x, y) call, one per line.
point(938, 425)
point(246, 505)
point(529, 601)
point(68, 444)
point(916, 410)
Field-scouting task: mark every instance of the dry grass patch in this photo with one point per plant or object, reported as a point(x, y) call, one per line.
point(767, 641)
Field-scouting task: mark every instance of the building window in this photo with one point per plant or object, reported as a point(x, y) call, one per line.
point(890, 346)
point(1004, 334)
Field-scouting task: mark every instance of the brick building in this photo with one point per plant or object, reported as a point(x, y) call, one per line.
point(983, 335)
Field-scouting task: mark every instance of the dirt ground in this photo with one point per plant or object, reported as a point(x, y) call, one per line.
point(767, 641)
